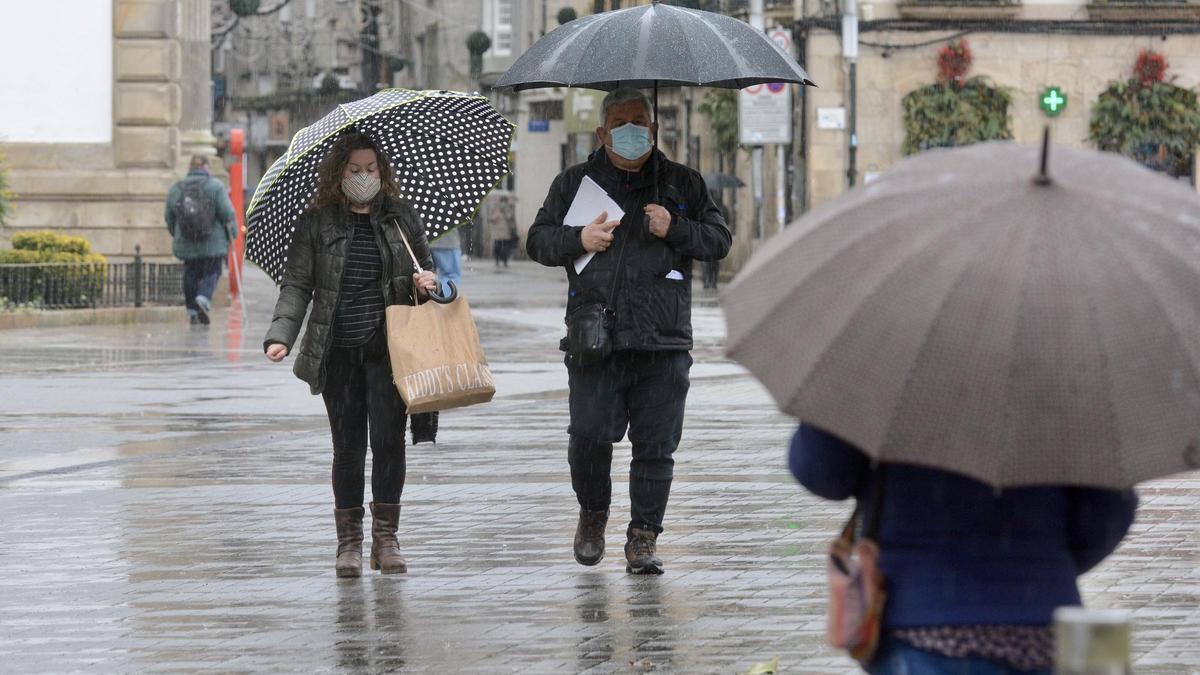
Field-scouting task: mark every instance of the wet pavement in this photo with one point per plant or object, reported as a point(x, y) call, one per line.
point(165, 506)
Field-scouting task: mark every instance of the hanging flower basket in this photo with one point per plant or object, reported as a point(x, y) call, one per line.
point(1148, 118)
point(956, 110)
point(244, 7)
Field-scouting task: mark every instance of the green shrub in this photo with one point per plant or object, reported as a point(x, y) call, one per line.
point(245, 7)
point(51, 242)
point(6, 197)
point(1143, 120)
point(947, 114)
point(7, 305)
point(19, 257)
point(79, 283)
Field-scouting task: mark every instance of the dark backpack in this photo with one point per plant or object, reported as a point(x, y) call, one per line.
point(194, 212)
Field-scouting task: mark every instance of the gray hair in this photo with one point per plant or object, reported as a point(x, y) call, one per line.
point(622, 95)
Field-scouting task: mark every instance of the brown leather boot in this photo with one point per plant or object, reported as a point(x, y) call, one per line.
point(641, 552)
point(589, 536)
point(385, 550)
point(350, 538)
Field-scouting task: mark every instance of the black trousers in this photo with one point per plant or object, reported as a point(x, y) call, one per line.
point(363, 403)
point(645, 393)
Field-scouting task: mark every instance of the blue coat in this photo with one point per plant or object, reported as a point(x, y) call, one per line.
point(955, 551)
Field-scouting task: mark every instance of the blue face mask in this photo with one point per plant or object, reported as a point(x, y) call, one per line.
point(630, 141)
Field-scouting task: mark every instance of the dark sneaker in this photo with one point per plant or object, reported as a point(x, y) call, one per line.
point(640, 553)
point(589, 536)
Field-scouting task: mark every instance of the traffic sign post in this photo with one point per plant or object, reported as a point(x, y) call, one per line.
point(765, 114)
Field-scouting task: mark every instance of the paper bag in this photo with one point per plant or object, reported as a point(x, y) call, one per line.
point(437, 361)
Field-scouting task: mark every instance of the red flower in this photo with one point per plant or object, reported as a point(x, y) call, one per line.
point(1150, 68)
point(954, 60)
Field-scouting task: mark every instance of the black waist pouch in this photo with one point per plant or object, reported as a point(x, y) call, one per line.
point(589, 334)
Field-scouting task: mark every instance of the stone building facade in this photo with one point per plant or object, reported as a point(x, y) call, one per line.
point(94, 140)
point(271, 69)
point(1076, 47)
point(1025, 47)
point(94, 152)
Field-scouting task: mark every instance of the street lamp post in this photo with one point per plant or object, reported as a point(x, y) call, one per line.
point(756, 155)
point(850, 56)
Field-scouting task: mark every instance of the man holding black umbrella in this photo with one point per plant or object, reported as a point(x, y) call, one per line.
point(639, 281)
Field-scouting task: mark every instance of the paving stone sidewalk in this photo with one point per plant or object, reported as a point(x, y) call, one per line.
point(165, 507)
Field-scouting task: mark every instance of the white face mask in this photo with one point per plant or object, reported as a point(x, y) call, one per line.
point(360, 188)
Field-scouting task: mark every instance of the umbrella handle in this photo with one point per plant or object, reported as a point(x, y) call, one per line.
point(440, 299)
point(436, 296)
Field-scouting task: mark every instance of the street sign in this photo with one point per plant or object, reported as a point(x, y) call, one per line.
point(783, 38)
point(539, 126)
point(1052, 101)
point(765, 114)
point(581, 110)
point(831, 118)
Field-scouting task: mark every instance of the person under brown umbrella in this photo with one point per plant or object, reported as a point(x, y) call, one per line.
point(973, 575)
point(1012, 350)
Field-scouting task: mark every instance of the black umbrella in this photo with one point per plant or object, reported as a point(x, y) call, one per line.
point(721, 181)
point(653, 45)
point(447, 150)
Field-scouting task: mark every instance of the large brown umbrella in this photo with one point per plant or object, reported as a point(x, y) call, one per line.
point(960, 314)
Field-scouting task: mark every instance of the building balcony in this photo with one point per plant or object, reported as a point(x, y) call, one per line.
point(774, 11)
point(1144, 10)
point(972, 10)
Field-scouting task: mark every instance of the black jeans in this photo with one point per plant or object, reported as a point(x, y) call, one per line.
point(644, 392)
point(200, 276)
point(361, 399)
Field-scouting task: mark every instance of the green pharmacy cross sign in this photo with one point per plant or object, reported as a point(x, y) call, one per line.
point(1052, 101)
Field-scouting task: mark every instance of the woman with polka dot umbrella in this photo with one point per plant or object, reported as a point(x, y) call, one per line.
point(447, 151)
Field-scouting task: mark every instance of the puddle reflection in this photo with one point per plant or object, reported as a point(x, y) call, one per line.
point(370, 633)
point(592, 606)
point(651, 618)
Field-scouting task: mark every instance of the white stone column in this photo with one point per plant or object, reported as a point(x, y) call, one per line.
point(195, 47)
point(147, 93)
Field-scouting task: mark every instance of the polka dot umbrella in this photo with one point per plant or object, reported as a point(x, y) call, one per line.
point(447, 150)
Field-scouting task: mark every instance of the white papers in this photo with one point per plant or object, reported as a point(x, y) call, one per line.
point(675, 275)
point(590, 200)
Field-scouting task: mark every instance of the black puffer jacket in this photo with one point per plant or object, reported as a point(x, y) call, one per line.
point(315, 262)
point(653, 312)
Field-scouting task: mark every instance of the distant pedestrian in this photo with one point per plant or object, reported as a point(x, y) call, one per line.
point(502, 225)
point(349, 260)
point(636, 291)
point(202, 224)
point(972, 574)
point(447, 259)
point(712, 268)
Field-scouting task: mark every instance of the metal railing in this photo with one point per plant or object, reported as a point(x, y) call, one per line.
point(83, 285)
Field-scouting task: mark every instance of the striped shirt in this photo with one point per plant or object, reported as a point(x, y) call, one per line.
point(360, 303)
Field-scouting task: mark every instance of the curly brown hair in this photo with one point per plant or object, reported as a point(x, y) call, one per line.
point(329, 173)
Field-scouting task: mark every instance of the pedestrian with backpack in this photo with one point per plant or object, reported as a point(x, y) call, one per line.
point(202, 223)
